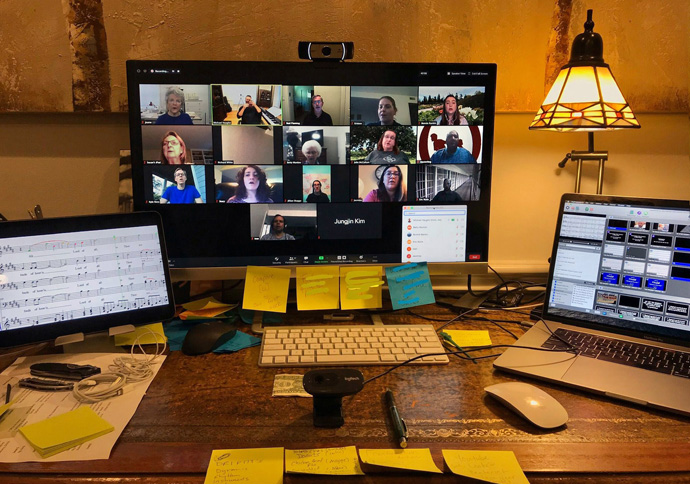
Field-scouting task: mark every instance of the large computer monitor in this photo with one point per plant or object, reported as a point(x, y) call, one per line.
point(285, 164)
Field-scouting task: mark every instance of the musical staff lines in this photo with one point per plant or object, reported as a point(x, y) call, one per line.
point(60, 277)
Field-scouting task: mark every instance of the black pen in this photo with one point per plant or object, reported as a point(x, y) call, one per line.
point(8, 394)
point(399, 426)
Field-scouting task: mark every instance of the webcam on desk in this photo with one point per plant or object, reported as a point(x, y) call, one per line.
point(328, 387)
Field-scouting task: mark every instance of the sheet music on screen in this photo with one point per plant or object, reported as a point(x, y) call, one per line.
point(46, 279)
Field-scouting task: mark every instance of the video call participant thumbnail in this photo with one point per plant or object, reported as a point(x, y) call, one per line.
point(252, 144)
point(389, 106)
point(277, 230)
point(316, 145)
point(178, 146)
point(317, 116)
point(453, 151)
point(339, 221)
point(449, 144)
point(282, 222)
point(447, 195)
point(451, 106)
point(388, 181)
point(317, 195)
point(441, 183)
point(249, 112)
point(249, 183)
point(180, 192)
point(174, 101)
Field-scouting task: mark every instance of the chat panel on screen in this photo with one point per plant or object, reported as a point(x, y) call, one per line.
point(247, 104)
point(316, 145)
point(248, 183)
point(383, 106)
point(283, 222)
point(175, 105)
point(175, 184)
point(380, 145)
point(447, 183)
point(316, 105)
point(449, 144)
point(382, 183)
point(177, 145)
point(451, 105)
point(251, 145)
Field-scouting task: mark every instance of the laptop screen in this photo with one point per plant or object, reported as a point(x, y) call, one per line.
point(81, 274)
point(623, 263)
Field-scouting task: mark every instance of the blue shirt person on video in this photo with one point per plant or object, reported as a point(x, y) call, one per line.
point(174, 100)
point(453, 152)
point(181, 192)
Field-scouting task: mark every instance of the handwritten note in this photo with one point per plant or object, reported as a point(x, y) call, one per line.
point(339, 461)
point(467, 338)
point(149, 334)
point(410, 285)
point(266, 288)
point(409, 459)
point(498, 466)
point(252, 466)
point(317, 287)
point(360, 287)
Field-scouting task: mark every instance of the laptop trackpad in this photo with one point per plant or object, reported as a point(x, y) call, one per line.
point(620, 380)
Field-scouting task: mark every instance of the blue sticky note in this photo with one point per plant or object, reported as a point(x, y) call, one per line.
point(177, 329)
point(409, 285)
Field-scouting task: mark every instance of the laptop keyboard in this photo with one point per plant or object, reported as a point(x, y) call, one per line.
point(638, 355)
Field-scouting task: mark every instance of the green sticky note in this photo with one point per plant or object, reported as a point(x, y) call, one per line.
point(65, 431)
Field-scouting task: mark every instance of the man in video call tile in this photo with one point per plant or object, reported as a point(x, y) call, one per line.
point(447, 195)
point(249, 113)
point(181, 192)
point(453, 152)
point(277, 230)
point(316, 195)
point(317, 116)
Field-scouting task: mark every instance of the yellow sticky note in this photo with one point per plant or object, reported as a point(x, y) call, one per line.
point(4, 408)
point(266, 289)
point(64, 431)
point(206, 303)
point(360, 287)
point(317, 287)
point(498, 466)
point(251, 466)
point(466, 338)
point(409, 459)
point(146, 337)
point(338, 461)
point(205, 313)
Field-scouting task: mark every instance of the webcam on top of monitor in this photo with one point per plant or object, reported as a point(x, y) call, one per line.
point(326, 51)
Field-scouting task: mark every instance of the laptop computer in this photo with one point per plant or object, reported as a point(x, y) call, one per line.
point(617, 297)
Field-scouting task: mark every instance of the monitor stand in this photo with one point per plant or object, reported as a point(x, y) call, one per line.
point(93, 343)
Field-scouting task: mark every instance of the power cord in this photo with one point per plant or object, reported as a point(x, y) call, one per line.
point(123, 371)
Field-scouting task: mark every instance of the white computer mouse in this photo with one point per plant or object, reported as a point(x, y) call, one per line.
point(530, 402)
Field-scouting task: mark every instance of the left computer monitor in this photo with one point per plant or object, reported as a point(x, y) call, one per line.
point(71, 275)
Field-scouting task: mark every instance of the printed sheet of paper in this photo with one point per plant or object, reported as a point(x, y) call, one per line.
point(468, 338)
point(409, 285)
point(251, 466)
point(338, 461)
point(497, 466)
point(317, 287)
point(289, 386)
point(266, 289)
point(360, 287)
point(409, 459)
point(144, 335)
point(31, 406)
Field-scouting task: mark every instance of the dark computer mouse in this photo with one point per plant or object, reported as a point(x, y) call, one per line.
point(207, 336)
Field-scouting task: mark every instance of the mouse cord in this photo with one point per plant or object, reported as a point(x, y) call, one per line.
point(124, 370)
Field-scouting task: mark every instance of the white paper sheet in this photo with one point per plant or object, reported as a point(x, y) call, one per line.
point(33, 406)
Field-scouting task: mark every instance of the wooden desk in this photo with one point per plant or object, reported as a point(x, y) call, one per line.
point(197, 404)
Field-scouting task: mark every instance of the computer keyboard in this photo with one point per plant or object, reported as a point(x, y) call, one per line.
point(639, 355)
point(335, 345)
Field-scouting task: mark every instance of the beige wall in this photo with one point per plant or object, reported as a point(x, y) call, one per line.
point(69, 164)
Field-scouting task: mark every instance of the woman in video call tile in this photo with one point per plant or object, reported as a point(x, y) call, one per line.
point(173, 149)
point(174, 100)
point(316, 195)
point(311, 150)
point(387, 151)
point(277, 230)
point(317, 116)
point(251, 186)
point(181, 192)
point(450, 114)
point(387, 111)
point(390, 186)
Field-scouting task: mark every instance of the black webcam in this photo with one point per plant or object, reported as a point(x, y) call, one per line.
point(326, 51)
point(328, 388)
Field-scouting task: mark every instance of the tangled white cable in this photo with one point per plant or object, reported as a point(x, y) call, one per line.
point(124, 370)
